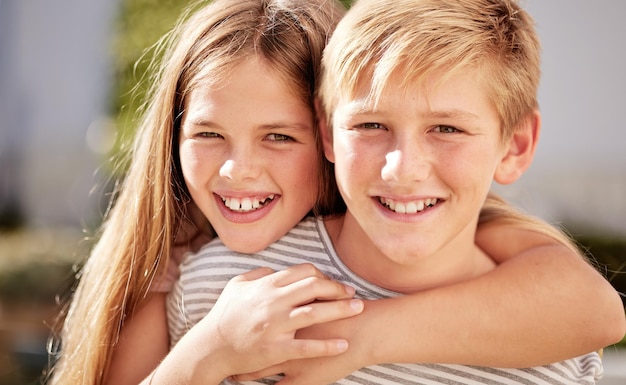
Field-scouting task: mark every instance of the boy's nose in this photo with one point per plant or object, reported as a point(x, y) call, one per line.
point(405, 165)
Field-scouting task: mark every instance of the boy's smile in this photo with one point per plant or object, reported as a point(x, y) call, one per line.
point(249, 156)
point(414, 169)
point(410, 207)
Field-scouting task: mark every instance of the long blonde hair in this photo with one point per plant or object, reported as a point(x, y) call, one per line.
point(152, 211)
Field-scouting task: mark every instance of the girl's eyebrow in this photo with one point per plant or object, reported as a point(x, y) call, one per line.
point(295, 126)
point(200, 121)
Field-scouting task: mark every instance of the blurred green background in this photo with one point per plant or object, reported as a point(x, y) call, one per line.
point(38, 263)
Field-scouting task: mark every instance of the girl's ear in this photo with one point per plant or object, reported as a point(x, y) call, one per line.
point(521, 150)
point(325, 131)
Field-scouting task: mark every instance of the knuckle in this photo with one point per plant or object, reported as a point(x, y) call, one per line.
point(316, 285)
point(307, 312)
point(308, 269)
point(305, 349)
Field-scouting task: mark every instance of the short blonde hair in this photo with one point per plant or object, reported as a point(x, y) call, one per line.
point(415, 38)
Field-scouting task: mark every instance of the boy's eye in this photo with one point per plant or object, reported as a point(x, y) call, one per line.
point(370, 126)
point(279, 138)
point(446, 129)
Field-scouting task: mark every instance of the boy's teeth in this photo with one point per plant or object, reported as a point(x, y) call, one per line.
point(408, 207)
point(246, 204)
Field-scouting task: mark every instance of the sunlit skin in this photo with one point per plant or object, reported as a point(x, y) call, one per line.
point(249, 157)
point(414, 171)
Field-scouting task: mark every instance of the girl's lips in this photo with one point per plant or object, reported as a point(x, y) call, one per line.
point(245, 210)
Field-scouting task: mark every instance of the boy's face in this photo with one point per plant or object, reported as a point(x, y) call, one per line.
point(415, 170)
point(249, 157)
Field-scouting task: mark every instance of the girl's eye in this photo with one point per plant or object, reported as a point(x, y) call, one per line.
point(446, 129)
point(279, 138)
point(208, 135)
point(370, 126)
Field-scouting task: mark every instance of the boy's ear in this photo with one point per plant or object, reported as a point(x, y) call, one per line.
point(325, 132)
point(521, 150)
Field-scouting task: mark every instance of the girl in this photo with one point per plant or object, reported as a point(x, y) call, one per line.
point(115, 331)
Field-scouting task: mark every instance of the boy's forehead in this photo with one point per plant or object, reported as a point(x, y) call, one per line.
point(457, 94)
point(371, 89)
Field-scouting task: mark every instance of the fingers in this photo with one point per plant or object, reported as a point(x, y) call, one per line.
point(267, 372)
point(321, 312)
point(302, 283)
point(298, 349)
point(296, 273)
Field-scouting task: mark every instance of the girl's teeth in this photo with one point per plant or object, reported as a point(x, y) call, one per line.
point(245, 204)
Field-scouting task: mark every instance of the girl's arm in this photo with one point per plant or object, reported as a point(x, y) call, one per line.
point(252, 326)
point(544, 303)
point(142, 345)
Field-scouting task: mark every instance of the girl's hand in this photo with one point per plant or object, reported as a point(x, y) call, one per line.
point(253, 324)
point(319, 370)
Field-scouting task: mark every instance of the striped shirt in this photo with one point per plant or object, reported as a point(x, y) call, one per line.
point(205, 274)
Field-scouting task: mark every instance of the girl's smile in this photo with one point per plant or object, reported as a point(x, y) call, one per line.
point(249, 155)
point(246, 210)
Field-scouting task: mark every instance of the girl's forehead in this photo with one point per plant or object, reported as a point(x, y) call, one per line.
point(216, 77)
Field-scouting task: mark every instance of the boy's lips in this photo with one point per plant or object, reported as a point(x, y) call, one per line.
point(408, 206)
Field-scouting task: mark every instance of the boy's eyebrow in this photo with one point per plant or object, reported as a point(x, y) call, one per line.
point(360, 106)
point(453, 114)
point(363, 107)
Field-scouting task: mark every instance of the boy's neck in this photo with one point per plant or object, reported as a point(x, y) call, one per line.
point(422, 272)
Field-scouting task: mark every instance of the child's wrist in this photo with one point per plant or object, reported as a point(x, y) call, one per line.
point(372, 346)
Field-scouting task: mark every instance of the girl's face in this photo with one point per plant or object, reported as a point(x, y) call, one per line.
point(249, 157)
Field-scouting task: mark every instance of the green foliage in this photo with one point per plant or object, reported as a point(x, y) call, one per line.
point(139, 26)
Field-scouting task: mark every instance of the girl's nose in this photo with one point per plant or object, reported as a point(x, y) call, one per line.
point(241, 165)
